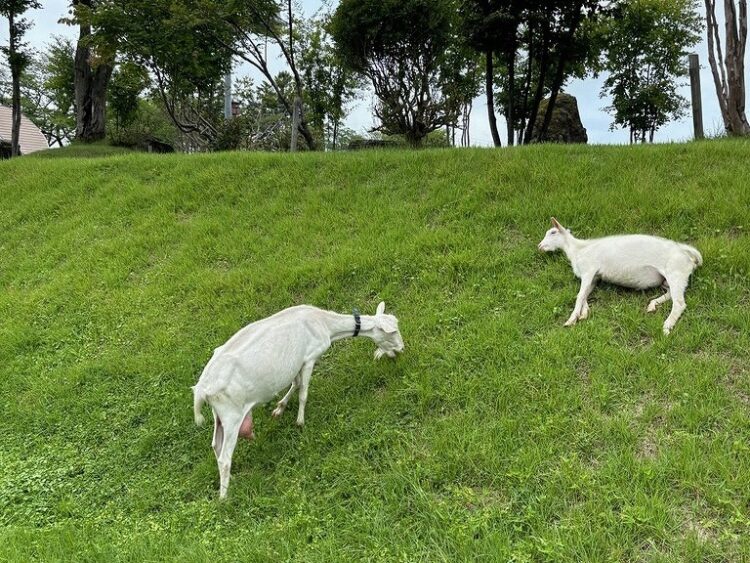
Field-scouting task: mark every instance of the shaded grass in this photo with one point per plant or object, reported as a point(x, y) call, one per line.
point(81, 150)
point(498, 435)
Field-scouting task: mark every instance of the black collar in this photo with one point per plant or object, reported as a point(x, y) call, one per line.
point(357, 322)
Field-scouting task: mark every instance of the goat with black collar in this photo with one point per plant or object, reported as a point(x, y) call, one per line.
point(270, 355)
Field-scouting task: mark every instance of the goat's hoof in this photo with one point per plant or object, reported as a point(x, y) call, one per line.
point(651, 307)
point(667, 330)
point(300, 423)
point(277, 412)
point(570, 322)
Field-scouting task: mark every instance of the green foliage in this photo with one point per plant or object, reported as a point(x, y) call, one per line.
point(539, 46)
point(60, 74)
point(150, 121)
point(18, 58)
point(400, 46)
point(180, 45)
point(47, 90)
point(646, 46)
point(498, 435)
point(329, 83)
point(263, 120)
point(230, 135)
point(128, 81)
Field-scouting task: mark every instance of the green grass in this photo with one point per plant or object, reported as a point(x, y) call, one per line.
point(498, 435)
point(81, 150)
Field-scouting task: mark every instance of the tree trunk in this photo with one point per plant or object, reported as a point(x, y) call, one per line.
point(560, 72)
point(90, 88)
point(728, 70)
point(539, 94)
point(735, 64)
point(556, 84)
point(490, 100)
point(295, 124)
point(15, 73)
point(526, 85)
point(511, 93)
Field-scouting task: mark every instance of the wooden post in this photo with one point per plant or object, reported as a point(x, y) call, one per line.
point(695, 95)
point(295, 124)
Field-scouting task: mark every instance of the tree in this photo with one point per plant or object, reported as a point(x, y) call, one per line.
point(252, 25)
point(399, 46)
point(263, 117)
point(491, 27)
point(48, 93)
point(328, 83)
point(646, 44)
point(565, 48)
point(538, 44)
point(128, 81)
point(179, 47)
point(729, 73)
point(18, 59)
point(462, 82)
point(94, 62)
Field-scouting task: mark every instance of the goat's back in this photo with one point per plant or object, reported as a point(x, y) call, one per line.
point(260, 359)
point(637, 261)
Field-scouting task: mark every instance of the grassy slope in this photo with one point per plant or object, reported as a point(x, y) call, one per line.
point(498, 431)
point(76, 150)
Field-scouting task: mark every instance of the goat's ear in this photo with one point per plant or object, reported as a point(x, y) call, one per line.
point(387, 323)
point(381, 308)
point(557, 225)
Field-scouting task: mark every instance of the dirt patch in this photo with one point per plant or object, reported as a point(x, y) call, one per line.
point(648, 448)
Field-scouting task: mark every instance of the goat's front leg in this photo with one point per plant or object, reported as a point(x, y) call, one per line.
point(304, 384)
point(231, 424)
point(677, 287)
point(581, 309)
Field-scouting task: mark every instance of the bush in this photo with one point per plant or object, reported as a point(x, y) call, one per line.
point(150, 122)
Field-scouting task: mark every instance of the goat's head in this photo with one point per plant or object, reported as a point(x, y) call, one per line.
point(555, 238)
point(386, 334)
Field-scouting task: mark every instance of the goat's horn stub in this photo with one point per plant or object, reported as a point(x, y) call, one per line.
point(556, 224)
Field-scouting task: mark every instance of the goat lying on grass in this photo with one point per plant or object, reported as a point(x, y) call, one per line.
point(635, 261)
point(269, 355)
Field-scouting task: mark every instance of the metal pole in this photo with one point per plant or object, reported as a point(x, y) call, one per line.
point(228, 96)
point(695, 95)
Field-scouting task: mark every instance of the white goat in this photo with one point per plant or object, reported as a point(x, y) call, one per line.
point(635, 261)
point(269, 355)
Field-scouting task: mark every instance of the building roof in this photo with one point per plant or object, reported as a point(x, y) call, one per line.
point(31, 138)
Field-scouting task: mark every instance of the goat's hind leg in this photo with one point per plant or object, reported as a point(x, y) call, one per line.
point(281, 405)
point(654, 303)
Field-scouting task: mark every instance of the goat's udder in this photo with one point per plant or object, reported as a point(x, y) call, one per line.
point(246, 428)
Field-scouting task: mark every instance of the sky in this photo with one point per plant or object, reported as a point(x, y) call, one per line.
point(590, 105)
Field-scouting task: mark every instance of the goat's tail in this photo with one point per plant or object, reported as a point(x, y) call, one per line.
point(198, 400)
point(695, 256)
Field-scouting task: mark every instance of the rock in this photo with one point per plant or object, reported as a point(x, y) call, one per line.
point(565, 126)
